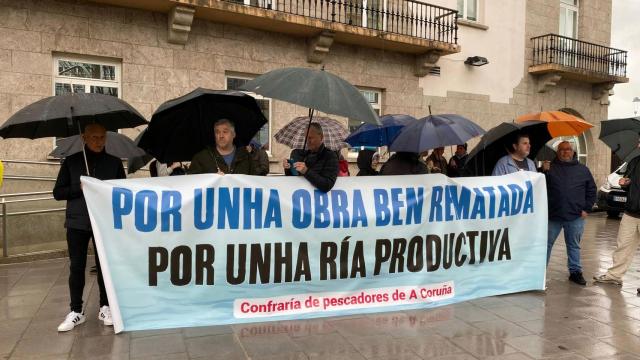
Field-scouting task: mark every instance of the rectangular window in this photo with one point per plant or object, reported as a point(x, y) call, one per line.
point(374, 97)
point(77, 74)
point(468, 9)
point(234, 82)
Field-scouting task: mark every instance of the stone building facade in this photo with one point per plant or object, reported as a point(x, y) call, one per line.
point(152, 51)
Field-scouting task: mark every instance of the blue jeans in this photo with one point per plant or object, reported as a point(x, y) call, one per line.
point(572, 234)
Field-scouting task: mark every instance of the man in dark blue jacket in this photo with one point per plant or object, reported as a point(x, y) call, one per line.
point(571, 191)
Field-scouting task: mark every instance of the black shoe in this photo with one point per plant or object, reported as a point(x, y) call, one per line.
point(577, 278)
point(93, 270)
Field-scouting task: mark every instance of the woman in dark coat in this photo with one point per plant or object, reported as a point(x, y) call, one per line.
point(404, 163)
point(365, 163)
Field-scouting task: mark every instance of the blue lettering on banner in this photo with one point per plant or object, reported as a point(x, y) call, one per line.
point(301, 217)
point(121, 204)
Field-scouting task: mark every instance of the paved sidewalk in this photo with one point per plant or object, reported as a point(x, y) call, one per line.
point(566, 322)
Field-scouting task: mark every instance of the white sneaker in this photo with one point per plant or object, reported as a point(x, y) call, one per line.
point(72, 319)
point(105, 316)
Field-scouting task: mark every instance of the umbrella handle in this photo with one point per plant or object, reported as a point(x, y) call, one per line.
point(84, 153)
point(304, 147)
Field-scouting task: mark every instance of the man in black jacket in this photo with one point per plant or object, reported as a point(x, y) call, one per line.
point(68, 187)
point(628, 232)
point(571, 192)
point(320, 165)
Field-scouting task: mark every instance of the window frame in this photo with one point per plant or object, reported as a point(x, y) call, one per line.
point(86, 82)
point(462, 14)
point(257, 97)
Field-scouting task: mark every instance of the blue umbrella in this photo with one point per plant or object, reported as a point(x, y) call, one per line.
point(379, 135)
point(435, 131)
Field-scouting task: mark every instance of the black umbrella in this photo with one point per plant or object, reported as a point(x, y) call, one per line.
point(494, 144)
point(621, 135)
point(64, 115)
point(547, 153)
point(183, 126)
point(116, 144)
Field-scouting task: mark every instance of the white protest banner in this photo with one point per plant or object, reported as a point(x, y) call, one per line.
point(207, 249)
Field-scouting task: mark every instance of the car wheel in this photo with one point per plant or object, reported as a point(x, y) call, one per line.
point(613, 214)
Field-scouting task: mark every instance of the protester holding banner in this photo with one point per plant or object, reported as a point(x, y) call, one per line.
point(571, 193)
point(102, 166)
point(404, 163)
point(517, 159)
point(319, 164)
point(224, 157)
point(628, 235)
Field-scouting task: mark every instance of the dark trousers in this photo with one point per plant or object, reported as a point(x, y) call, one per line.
point(77, 243)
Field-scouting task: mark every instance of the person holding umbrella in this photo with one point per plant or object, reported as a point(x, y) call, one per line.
point(68, 187)
point(517, 159)
point(457, 161)
point(319, 165)
point(224, 157)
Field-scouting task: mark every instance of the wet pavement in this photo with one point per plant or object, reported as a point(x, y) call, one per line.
point(567, 321)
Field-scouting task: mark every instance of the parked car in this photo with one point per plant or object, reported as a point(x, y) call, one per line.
point(611, 197)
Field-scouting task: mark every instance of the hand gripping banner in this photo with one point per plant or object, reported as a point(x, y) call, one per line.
point(207, 249)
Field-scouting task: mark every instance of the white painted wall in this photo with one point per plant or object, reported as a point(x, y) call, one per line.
point(502, 44)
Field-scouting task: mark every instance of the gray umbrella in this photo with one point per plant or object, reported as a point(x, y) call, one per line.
point(316, 90)
point(116, 144)
point(621, 135)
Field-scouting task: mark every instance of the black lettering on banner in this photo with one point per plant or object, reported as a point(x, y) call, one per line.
point(397, 259)
point(302, 265)
point(434, 249)
point(158, 262)
point(383, 253)
point(260, 262)
point(240, 264)
point(181, 252)
point(328, 254)
point(205, 255)
point(280, 260)
point(415, 262)
point(358, 266)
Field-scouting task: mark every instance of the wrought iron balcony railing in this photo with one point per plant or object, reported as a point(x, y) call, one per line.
point(404, 17)
point(582, 55)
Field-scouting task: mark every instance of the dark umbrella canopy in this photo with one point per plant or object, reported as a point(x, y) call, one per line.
point(315, 89)
point(435, 131)
point(52, 116)
point(116, 144)
point(183, 126)
point(138, 162)
point(379, 135)
point(494, 144)
point(621, 135)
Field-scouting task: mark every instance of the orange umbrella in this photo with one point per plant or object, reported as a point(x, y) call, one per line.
point(560, 123)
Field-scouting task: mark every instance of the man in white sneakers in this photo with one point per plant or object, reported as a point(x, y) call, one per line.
point(68, 187)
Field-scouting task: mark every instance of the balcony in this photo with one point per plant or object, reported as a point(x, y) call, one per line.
point(406, 26)
point(558, 57)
